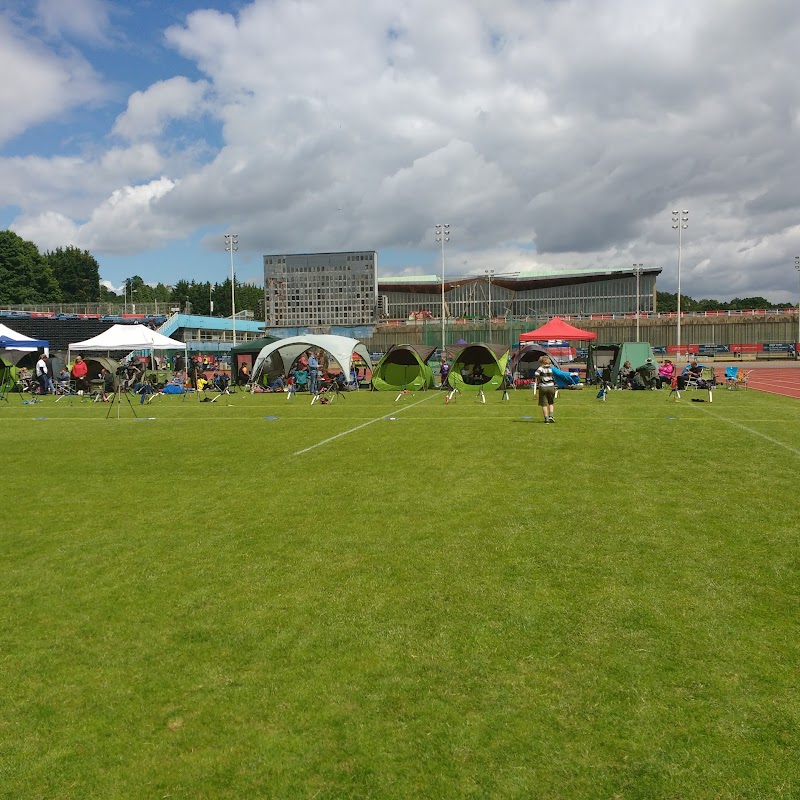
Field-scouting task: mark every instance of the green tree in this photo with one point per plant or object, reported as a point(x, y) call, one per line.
point(666, 302)
point(251, 298)
point(77, 273)
point(25, 275)
point(740, 303)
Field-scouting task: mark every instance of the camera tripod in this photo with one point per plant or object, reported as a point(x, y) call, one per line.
point(119, 394)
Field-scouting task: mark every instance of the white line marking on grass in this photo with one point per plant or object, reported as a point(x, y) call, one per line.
point(359, 427)
point(754, 432)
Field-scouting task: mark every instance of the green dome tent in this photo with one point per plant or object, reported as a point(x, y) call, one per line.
point(492, 360)
point(405, 366)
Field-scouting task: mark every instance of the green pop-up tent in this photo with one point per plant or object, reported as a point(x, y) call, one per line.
point(614, 356)
point(492, 360)
point(404, 366)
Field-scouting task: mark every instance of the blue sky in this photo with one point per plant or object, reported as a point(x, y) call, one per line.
point(547, 134)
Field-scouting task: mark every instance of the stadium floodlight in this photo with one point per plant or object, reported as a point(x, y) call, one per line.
point(443, 236)
point(797, 343)
point(680, 222)
point(637, 271)
point(231, 244)
point(489, 273)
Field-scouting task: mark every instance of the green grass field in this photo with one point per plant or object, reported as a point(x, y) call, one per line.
point(262, 598)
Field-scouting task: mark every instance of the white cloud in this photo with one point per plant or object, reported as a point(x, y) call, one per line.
point(572, 126)
point(39, 85)
point(111, 288)
point(149, 111)
point(85, 19)
point(48, 230)
point(76, 183)
point(129, 222)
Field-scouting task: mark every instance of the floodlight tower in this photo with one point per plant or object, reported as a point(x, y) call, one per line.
point(443, 236)
point(489, 275)
point(637, 271)
point(797, 344)
point(680, 222)
point(231, 244)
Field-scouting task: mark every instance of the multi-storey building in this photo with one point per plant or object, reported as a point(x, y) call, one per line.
point(321, 289)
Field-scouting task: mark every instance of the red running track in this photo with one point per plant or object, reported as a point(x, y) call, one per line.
point(775, 380)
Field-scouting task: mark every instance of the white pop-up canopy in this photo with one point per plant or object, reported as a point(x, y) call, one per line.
point(341, 348)
point(128, 337)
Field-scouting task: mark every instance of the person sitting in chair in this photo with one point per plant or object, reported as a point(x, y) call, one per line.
point(626, 375)
point(647, 375)
point(477, 375)
point(108, 384)
point(665, 373)
point(691, 375)
point(63, 379)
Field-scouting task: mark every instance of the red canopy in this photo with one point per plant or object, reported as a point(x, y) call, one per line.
point(559, 330)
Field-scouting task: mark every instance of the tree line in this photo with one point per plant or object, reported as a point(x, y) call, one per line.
point(667, 302)
point(72, 275)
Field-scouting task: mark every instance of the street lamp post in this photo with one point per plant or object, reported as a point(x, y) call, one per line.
point(231, 244)
point(489, 275)
point(680, 222)
point(442, 236)
point(797, 343)
point(637, 271)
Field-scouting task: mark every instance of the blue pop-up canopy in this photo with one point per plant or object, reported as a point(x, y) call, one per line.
point(7, 343)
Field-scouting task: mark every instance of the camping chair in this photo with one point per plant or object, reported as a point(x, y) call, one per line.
point(65, 388)
point(693, 381)
point(731, 376)
point(740, 382)
point(301, 380)
point(708, 378)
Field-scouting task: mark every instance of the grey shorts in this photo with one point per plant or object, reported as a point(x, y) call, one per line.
point(547, 396)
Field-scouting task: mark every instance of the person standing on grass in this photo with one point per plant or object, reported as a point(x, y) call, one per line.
point(545, 383)
point(313, 372)
point(41, 373)
point(79, 372)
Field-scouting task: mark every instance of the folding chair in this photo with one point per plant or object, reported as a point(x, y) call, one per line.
point(731, 376)
point(708, 378)
point(741, 379)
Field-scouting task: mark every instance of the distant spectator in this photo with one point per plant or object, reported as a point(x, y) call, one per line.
point(626, 375)
point(108, 383)
point(79, 373)
point(647, 375)
point(665, 373)
point(444, 373)
point(41, 373)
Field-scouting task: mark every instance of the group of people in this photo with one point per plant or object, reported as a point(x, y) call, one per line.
point(649, 376)
point(646, 376)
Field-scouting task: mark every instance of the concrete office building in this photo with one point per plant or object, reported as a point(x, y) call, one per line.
point(321, 289)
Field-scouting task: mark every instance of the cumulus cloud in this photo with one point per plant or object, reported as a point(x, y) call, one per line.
point(545, 133)
point(49, 230)
point(149, 111)
point(128, 221)
point(39, 84)
point(84, 19)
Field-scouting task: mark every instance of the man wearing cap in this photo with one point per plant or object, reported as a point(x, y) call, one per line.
point(647, 375)
point(79, 372)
